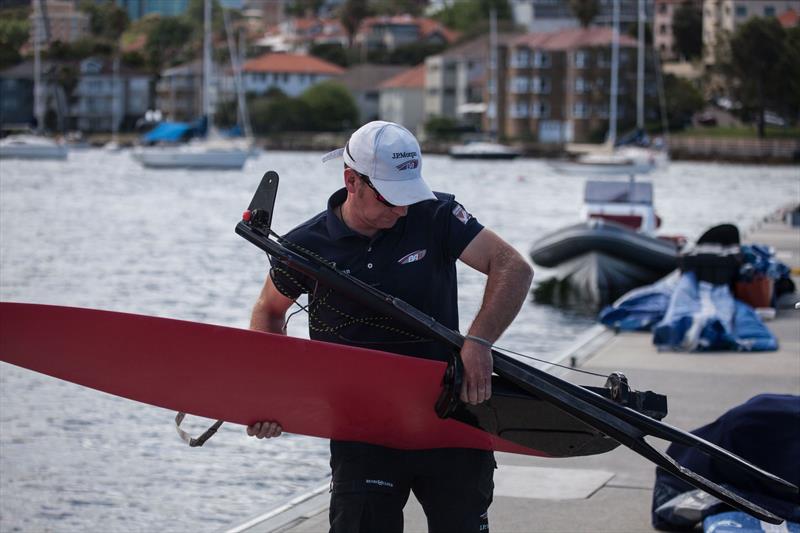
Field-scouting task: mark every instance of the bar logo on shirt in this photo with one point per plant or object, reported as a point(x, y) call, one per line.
point(461, 214)
point(413, 256)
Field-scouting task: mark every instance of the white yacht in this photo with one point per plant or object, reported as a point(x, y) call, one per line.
point(27, 146)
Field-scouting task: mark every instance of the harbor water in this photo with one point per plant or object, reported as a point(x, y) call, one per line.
point(99, 231)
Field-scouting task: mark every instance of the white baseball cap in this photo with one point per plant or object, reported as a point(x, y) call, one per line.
point(389, 155)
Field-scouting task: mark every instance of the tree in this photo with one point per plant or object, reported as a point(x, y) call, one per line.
point(304, 8)
point(757, 49)
point(165, 39)
point(351, 15)
point(687, 29)
point(584, 10)
point(471, 17)
point(106, 19)
point(790, 66)
point(331, 107)
point(683, 100)
point(14, 33)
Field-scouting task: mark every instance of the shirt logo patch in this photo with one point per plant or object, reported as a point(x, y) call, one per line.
point(461, 214)
point(408, 165)
point(413, 256)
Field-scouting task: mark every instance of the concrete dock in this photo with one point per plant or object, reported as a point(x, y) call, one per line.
point(612, 492)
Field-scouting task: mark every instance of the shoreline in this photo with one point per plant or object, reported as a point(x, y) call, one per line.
point(682, 148)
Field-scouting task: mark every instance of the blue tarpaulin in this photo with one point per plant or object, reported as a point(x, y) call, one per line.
point(176, 131)
point(685, 314)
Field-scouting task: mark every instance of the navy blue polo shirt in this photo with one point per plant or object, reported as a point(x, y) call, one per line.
point(415, 260)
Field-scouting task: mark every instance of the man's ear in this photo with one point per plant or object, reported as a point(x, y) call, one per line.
point(350, 179)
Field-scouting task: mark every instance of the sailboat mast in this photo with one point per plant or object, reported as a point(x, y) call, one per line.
point(640, 70)
point(493, 94)
point(207, 109)
point(38, 97)
point(612, 111)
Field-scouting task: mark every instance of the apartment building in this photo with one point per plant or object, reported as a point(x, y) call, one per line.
point(291, 73)
point(63, 21)
point(554, 15)
point(722, 17)
point(362, 81)
point(101, 95)
point(558, 85)
point(401, 98)
point(179, 91)
point(389, 33)
point(456, 80)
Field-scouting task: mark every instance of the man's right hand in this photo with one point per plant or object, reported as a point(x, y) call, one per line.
point(264, 430)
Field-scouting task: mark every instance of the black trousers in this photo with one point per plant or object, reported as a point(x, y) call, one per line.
point(371, 485)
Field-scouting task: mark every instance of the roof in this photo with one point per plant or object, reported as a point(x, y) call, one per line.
point(367, 76)
point(413, 78)
point(425, 26)
point(291, 63)
point(789, 18)
point(573, 38)
point(478, 47)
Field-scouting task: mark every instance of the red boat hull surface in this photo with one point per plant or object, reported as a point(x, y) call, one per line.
point(241, 376)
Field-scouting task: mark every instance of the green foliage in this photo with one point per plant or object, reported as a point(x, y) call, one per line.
point(442, 128)
point(302, 8)
point(584, 10)
point(683, 100)
point(399, 7)
point(326, 106)
point(332, 53)
point(472, 16)
point(106, 19)
point(790, 66)
point(351, 14)
point(331, 107)
point(165, 41)
point(13, 34)
point(278, 113)
point(758, 55)
point(687, 29)
point(80, 49)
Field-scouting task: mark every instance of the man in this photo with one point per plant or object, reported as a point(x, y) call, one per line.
point(388, 229)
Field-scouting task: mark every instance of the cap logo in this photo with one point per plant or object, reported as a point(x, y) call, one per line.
point(400, 155)
point(408, 165)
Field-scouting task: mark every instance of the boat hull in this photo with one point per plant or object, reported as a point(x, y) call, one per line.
point(33, 151)
point(596, 262)
point(169, 158)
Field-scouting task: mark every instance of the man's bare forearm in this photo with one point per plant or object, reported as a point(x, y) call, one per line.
point(507, 285)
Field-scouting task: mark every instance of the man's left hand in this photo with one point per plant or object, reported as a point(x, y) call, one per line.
point(477, 359)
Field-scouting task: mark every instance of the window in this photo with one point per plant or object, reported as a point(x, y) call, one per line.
point(662, 9)
point(520, 58)
point(580, 110)
point(519, 84)
point(580, 59)
point(541, 59)
point(662, 29)
point(741, 11)
point(580, 85)
point(540, 110)
point(518, 110)
point(769, 11)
